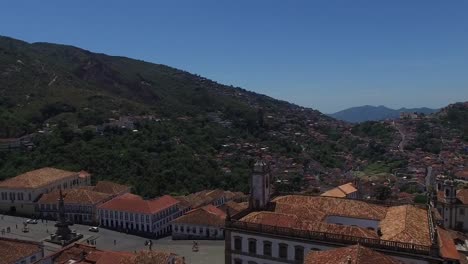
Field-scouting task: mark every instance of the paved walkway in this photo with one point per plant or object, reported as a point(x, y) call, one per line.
point(209, 251)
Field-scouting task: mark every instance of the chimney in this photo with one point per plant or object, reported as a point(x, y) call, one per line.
point(349, 261)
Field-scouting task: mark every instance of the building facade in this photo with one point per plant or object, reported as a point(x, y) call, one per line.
point(133, 214)
point(288, 227)
point(452, 204)
point(19, 194)
point(206, 222)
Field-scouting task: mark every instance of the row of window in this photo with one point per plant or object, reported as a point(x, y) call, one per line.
point(11, 196)
point(121, 215)
point(267, 248)
point(194, 230)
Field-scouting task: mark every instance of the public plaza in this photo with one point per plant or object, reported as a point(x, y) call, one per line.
point(209, 251)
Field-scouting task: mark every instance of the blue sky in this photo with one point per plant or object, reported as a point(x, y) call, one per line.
point(328, 55)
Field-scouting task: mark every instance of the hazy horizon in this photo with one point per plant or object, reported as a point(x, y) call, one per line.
point(325, 55)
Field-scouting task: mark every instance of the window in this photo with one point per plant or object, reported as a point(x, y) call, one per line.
point(267, 248)
point(33, 259)
point(194, 230)
point(252, 246)
point(299, 253)
point(462, 211)
point(176, 228)
point(237, 261)
point(201, 230)
point(238, 243)
point(283, 251)
point(182, 228)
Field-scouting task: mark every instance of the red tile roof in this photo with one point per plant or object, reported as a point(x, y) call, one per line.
point(406, 223)
point(447, 247)
point(349, 255)
point(36, 178)
point(134, 203)
point(110, 187)
point(13, 250)
point(74, 196)
point(206, 215)
point(85, 254)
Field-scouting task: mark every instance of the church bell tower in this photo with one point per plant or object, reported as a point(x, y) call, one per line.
point(260, 186)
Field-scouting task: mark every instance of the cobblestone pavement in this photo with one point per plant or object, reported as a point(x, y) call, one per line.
point(210, 252)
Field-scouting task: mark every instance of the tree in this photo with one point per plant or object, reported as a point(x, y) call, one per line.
point(383, 192)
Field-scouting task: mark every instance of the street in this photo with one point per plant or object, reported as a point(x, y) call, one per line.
point(209, 251)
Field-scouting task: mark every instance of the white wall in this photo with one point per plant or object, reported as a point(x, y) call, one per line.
point(291, 247)
point(214, 232)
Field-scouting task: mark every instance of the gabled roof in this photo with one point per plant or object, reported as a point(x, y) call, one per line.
point(341, 191)
point(234, 207)
point(82, 196)
point(36, 178)
point(349, 255)
point(206, 215)
point(110, 187)
point(133, 203)
point(13, 250)
point(447, 248)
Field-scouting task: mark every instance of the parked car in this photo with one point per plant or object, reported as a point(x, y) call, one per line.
point(94, 229)
point(31, 221)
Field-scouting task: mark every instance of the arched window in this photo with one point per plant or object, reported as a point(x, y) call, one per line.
point(447, 192)
point(299, 253)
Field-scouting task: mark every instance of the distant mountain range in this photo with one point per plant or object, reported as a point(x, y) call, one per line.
point(375, 113)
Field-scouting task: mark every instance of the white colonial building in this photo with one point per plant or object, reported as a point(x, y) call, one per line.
point(133, 214)
point(206, 222)
point(286, 228)
point(18, 194)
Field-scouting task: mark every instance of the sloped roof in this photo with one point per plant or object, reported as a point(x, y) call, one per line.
point(133, 203)
point(406, 223)
point(349, 255)
point(74, 196)
point(85, 254)
point(340, 191)
point(447, 248)
point(110, 187)
point(36, 178)
point(296, 222)
point(234, 207)
point(13, 250)
point(206, 215)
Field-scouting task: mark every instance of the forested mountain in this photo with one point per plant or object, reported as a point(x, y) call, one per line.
point(164, 130)
point(205, 136)
point(376, 113)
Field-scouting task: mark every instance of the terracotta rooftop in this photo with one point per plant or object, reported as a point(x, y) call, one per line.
point(36, 178)
point(295, 222)
point(206, 197)
point(133, 203)
point(110, 187)
point(74, 196)
point(13, 250)
point(206, 215)
point(349, 255)
point(405, 223)
point(447, 248)
point(234, 207)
